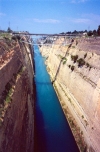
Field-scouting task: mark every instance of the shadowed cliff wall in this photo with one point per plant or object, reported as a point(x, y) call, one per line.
point(17, 95)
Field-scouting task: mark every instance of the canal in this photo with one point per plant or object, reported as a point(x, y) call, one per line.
point(52, 132)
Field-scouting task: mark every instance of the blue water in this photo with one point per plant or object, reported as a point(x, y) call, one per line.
point(52, 130)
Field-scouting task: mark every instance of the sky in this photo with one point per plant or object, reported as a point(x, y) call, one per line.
point(49, 16)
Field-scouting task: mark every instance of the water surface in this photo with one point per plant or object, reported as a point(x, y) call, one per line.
point(52, 130)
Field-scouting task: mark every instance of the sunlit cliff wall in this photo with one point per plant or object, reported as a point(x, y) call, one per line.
point(17, 95)
point(75, 74)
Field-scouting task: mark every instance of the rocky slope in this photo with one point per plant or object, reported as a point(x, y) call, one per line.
point(17, 94)
point(75, 74)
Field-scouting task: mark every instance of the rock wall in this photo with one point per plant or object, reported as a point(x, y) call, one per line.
point(17, 95)
point(75, 74)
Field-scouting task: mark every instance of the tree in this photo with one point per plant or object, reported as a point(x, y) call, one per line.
point(81, 32)
point(9, 30)
point(62, 33)
point(85, 31)
point(98, 30)
point(94, 32)
point(69, 32)
point(90, 33)
point(74, 32)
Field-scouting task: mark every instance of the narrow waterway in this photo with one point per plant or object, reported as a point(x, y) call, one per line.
point(52, 132)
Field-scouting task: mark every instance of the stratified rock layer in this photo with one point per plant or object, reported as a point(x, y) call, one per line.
point(17, 95)
point(75, 74)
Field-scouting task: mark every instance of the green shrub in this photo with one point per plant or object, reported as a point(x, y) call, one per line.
point(8, 97)
point(81, 132)
point(87, 64)
point(60, 56)
point(90, 68)
point(80, 62)
point(72, 68)
point(69, 66)
point(74, 58)
point(76, 42)
point(85, 55)
point(63, 58)
point(82, 116)
point(73, 47)
point(64, 61)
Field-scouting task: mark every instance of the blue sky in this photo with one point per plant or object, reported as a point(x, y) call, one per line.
point(49, 16)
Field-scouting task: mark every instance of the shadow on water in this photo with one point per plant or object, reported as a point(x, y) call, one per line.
point(40, 138)
point(60, 137)
point(39, 129)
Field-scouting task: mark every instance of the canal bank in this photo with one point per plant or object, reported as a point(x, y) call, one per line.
point(52, 132)
point(75, 72)
point(17, 94)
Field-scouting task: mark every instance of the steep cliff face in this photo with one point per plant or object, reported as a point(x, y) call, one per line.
point(17, 95)
point(75, 73)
